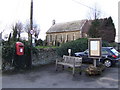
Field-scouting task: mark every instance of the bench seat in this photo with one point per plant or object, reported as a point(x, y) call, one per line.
point(68, 64)
point(70, 61)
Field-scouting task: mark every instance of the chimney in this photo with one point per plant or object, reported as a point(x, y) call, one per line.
point(53, 22)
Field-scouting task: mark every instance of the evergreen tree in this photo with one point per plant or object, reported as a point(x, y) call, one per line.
point(103, 28)
point(107, 30)
point(9, 38)
point(93, 31)
point(39, 42)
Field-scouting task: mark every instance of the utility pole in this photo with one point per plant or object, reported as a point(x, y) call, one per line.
point(31, 19)
point(31, 28)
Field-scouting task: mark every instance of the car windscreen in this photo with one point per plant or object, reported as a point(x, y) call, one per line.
point(114, 51)
point(86, 51)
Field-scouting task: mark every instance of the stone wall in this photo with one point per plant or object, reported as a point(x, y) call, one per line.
point(42, 57)
point(45, 56)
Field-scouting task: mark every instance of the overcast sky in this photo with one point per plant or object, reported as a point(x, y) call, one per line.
point(47, 10)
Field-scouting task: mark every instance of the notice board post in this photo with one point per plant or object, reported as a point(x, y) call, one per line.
point(94, 46)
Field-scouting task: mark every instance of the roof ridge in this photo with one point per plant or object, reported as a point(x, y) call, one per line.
point(67, 26)
point(71, 21)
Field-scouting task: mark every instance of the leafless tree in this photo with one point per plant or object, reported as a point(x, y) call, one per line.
point(35, 28)
point(17, 29)
point(94, 12)
point(19, 26)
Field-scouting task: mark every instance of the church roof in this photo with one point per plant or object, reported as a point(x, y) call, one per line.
point(67, 26)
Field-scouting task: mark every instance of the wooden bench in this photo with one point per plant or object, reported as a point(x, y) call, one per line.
point(70, 61)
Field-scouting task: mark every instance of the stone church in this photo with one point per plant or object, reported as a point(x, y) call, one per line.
point(64, 32)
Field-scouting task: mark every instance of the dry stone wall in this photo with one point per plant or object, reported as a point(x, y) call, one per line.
point(45, 56)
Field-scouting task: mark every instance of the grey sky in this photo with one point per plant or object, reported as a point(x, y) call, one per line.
point(47, 10)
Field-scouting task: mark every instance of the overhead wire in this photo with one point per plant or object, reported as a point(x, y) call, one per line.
point(85, 5)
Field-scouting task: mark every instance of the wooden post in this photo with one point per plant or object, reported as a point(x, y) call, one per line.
point(69, 51)
point(94, 62)
point(31, 28)
point(31, 19)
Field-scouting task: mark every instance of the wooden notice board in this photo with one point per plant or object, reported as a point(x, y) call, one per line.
point(94, 45)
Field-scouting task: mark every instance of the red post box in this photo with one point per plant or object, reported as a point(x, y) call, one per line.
point(19, 48)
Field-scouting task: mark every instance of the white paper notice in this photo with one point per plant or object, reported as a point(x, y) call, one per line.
point(21, 50)
point(94, 45)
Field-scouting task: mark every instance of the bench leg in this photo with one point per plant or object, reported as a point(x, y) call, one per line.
point(62, 67)
point(56, 67)
point(73, 71)
point(80, 71)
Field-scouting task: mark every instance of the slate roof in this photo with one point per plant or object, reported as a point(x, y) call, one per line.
point(67, 26)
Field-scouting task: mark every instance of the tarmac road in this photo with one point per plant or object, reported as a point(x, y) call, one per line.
point(47, 77)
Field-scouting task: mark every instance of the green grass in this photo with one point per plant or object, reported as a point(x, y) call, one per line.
point(46, 47)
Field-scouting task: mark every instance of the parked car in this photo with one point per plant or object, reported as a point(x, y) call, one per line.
point(109, 56)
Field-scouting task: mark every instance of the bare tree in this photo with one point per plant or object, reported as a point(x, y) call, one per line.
point(94, 15)
point(94, 12)
point(14, 36)
point(19, 27)
point(17, 30)
point(35, 28)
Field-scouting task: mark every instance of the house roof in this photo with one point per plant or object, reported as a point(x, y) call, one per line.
point(67, 26)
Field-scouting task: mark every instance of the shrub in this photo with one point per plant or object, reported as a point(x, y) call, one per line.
point(78, 45)
point(105, 44)
point(113, 45)
point(8, 53)
point(39, 42)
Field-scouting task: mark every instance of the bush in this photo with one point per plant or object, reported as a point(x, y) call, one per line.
point(8, 53)
point(78, 45)
point(105, 44)
point(39, 42)
point(113, 45)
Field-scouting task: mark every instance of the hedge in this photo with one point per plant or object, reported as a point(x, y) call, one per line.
point(8, 53)
point(78, 45)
